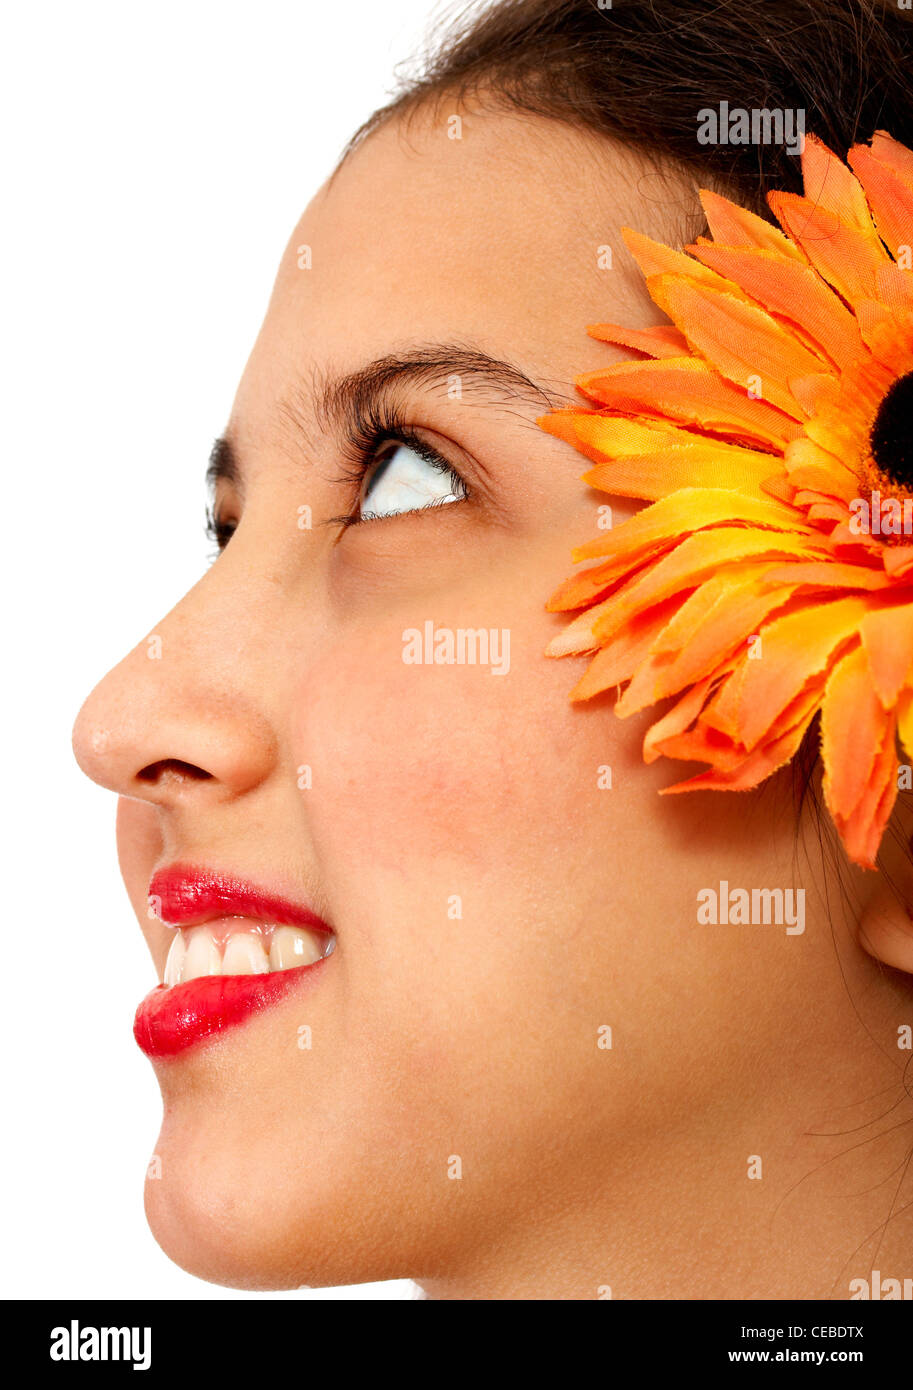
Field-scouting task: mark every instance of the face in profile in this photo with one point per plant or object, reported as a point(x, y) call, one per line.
point(434, 1002)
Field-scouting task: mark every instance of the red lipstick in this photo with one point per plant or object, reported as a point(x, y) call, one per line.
point(173, 1018)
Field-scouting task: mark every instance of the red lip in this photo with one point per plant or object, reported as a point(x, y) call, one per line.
point(169, 1020)
point(184, 897)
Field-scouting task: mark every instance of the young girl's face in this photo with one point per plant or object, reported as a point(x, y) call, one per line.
point(497, 905)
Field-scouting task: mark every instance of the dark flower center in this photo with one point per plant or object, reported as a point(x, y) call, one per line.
point(891, 440)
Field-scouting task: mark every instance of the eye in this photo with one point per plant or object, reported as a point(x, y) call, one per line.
point(408, 477)
point(218, 530)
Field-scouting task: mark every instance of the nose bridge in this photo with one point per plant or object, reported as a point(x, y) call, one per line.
point(201, 693)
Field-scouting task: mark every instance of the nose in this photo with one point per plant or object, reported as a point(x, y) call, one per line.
point(181, 715)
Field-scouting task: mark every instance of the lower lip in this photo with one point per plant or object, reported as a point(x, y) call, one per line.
point(171, 1019)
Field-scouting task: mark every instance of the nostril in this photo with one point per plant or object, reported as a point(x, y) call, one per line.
point(173, 767)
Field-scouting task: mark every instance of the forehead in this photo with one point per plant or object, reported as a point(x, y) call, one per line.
point(487, 230)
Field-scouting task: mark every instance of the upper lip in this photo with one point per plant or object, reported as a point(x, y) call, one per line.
point(183, 896)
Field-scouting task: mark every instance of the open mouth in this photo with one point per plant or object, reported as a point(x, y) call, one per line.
point(236, 950)
point(241, 946)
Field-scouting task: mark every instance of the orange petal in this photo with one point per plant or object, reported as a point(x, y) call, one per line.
point(895, 288)
point(897, 157)
point(731, 225)
point(829, 184)
point(905, 721)
point(890, 198)
point(742, 341)
point(656, 259)
point(662, 340)
point(898, 560)
point(729, 584)
point(808, 465)
point(795, 648)
point(891, 342)
point(862, 831)
point(777, 486)
point(561, 423)
point(812, 392)
point(615, 664)
point(792, 291)
point(691, 392)
point(676, 720)
point(852, 729)
point(844, 256)
point(735, 617)
point(887, 637)
point(829, 574)
point(695, 559)
point(735, 771)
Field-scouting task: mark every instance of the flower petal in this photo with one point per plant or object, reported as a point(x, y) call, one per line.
point(795, 648)
point(843, 255)
point(691, 392)
point(630, 645)
point(742, 341)
point(793, 291)
point(693, 561)
point(863, 829)
point(731, 225)
point(662, 340)
point(890, 198)
point(887, 637)
point(852, 730)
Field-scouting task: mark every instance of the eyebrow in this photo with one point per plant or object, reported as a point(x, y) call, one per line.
point(340, 403)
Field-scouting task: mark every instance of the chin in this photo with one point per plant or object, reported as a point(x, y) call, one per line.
point(262, 1217)
point(238, 1250)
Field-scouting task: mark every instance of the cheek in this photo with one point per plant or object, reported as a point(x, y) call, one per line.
point(450, 774)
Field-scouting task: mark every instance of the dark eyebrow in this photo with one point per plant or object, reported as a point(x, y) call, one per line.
point(337, 401)
point(325, 402)
point(223, 464)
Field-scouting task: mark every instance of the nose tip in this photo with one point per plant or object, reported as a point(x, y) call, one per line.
point(155, 730)
point(93, 742)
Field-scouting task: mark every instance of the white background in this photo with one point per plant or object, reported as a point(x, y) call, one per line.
point(156, 157)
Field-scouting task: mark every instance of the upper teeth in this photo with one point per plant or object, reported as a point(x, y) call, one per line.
point(197, 952)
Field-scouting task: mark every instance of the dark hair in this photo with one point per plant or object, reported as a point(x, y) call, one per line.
point(640, 71)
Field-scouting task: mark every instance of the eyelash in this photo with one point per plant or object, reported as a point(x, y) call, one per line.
point(367, 430)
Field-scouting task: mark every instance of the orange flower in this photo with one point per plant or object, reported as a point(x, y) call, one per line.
point(772, 577)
